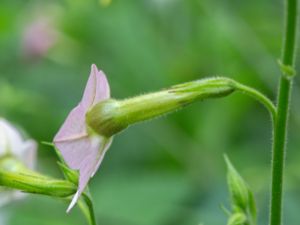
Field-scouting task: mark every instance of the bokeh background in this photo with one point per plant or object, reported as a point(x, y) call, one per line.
point(169, 171)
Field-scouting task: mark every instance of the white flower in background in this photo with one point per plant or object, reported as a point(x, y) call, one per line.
point(13, 148)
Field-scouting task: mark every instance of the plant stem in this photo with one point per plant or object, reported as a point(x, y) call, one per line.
point(260, 98)
point(280, 128)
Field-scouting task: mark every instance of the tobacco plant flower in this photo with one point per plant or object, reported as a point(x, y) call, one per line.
point(38, 37)
point(81, 147)
point(88, 130)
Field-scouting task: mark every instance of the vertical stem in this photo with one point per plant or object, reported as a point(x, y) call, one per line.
point(279, 151)
point(280, 127)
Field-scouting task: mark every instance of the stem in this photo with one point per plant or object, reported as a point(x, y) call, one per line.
point(260, 98)
point(280, 128)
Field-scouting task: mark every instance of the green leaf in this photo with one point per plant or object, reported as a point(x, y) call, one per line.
point(70, 175)
point(56, 150)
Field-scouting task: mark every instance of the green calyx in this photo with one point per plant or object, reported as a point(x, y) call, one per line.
point(14, 175)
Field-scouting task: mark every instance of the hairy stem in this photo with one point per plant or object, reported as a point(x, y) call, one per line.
point(260, 98)
point(280, 128)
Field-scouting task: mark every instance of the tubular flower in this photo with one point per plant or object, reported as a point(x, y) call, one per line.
point(15, 153)
point(81, 147)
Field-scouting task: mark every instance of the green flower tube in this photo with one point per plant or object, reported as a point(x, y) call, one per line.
point(112, 116)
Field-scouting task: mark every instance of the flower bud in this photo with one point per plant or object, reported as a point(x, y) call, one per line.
point(111, 116)
point(32, 182)
point(241, 196)
point(238, 188)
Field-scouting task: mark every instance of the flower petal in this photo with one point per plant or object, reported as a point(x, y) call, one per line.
point(101, 155)
point(91, 155)
point(74, 151)
point(96, 90)
point(102, 89)
point(73, 127)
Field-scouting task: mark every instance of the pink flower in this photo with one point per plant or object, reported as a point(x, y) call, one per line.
point(39, 36)
point(81, 148)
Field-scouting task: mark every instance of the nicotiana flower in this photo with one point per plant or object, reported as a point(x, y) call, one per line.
point(13, 148)
point(39, 36)
point(81, 147)
point(88, 130)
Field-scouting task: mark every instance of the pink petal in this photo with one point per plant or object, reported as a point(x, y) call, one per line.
point(74, 126)
point(102, 89)
point(74, 151)
point(85, 165)
point(93, 153)
point(96, 90)
point(101, 156)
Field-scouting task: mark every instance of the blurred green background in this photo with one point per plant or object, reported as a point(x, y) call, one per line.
point(169, 171)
